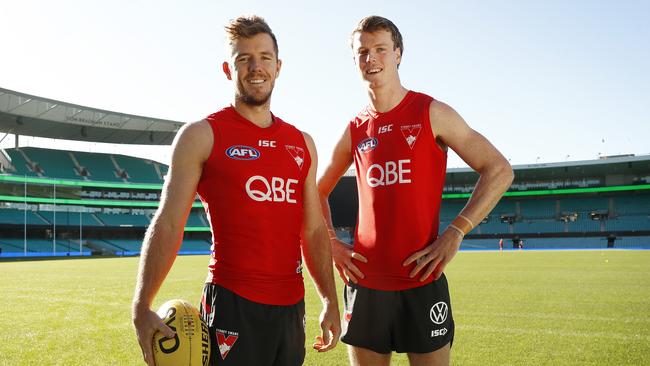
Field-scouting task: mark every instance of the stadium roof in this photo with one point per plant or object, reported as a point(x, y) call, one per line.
point(29, 115)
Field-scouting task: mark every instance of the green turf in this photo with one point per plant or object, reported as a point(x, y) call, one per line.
point(511, 308)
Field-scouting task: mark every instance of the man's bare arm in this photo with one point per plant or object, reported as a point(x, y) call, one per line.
point(495, 177)
point(165, 234)
point(341, 253)
point(318, 257)
point(495, 172)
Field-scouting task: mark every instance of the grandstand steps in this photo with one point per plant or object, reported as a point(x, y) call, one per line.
point(99, 167)
point(5, 162)
point(157, 169)
point(161, 171)
point(97, 219)
point(30, 165)
point(120, 172)
point(40, 216)
point(103, 247)
point(79, 169)
point(203, 219)
point(73, 244)
point(54, 163)
point(12, 247)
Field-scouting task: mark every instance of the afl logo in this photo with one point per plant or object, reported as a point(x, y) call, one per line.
point(368, 144)
point(242, 152)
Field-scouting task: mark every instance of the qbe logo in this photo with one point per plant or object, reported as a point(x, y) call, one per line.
point(242, 152)
point(389, 173)
point(438, 312)
point(277, 189)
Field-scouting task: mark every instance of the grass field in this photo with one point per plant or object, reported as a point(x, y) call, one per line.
point(511, 308)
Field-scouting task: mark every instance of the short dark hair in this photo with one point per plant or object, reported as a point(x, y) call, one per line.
point(374, 23)
point(247, 27)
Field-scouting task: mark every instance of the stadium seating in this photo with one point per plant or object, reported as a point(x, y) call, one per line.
point(138, 170)
point(123, 220)
point(20, 164)
point(39, 245)
point(537, 243)
point(17, 217)
point(196, 219)
point(505, 206)
point(190, 245)
point(494, 226)
point(345, 236)
point(633, 242)
point(538, 226)
point(163, 170)
point(100, 167)
point(632, 205)
point(55, 163)
point(535, 209)
point(65, 218)
point(542, 221)
point(584, 205)
point(133, 247)
point(628, 223)
point(98, 219)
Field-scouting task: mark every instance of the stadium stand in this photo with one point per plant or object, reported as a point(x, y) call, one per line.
point(590, 204)
point(17, 217)
point(53, 163)
point(41, 162)
point(99, 167)
point(568, 220)
point(21, 166)
point(137, 170)
point(105, 201)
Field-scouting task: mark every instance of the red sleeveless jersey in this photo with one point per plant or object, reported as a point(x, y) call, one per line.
point(400, 176)
point(252, 191)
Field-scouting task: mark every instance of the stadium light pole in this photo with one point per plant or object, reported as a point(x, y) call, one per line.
point(25, 217)
point(80, 231)
point(54, 224)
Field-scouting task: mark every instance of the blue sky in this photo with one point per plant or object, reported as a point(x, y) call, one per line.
point(544, 81)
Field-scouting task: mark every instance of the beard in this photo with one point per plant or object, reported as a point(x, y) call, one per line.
point(243, 96)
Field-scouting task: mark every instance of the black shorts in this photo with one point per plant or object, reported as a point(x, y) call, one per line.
point(243, 332)
point(416, 320)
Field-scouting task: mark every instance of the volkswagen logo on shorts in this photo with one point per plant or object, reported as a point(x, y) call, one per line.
point(438, 312)
point(367, 144)
point(242, 152)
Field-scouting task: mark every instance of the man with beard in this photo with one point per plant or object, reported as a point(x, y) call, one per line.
point(396, 295)
point(255, 175)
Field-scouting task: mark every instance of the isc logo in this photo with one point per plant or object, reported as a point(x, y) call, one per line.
point(384, 129)
point(242, 152)
point(388, 174)
point(438, 332)
point(368, 144)
point(266, 143)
